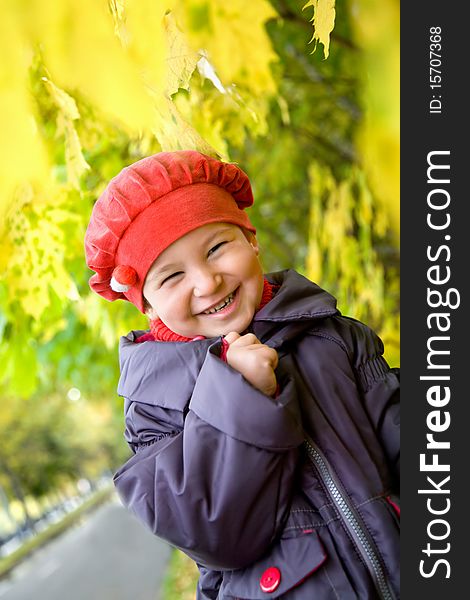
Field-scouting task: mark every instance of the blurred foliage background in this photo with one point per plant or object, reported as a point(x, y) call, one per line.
point(303, 96)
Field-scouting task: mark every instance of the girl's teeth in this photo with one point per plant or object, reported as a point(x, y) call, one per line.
point(223, 304)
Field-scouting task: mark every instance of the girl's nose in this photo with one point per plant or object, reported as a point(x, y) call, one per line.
point(206, 283)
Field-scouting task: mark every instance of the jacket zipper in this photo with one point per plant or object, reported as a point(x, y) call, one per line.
point(350, 518)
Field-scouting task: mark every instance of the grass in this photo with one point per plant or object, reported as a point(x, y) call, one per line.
point(181, 578)
point(13, 559)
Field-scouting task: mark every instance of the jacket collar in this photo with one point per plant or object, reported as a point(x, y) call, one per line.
point(296, 304)
point(297, 298)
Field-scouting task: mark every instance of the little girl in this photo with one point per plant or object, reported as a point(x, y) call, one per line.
point(264, 424)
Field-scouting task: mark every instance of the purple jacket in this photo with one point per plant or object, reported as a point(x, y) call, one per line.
point(294, 497)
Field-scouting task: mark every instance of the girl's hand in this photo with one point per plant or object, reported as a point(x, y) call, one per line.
point(254, 360)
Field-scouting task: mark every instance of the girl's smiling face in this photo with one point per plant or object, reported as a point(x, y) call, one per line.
point(209, 282)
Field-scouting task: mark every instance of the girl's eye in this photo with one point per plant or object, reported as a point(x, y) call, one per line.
point(216, 247)
point(172, 276)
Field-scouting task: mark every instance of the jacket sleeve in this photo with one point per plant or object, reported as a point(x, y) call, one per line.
point(383, 404)
point(380, 386)
point(220, 488)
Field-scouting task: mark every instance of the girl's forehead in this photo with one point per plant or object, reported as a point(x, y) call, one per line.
point(200, 236)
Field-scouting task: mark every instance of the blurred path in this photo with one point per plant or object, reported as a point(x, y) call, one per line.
point(108, 556)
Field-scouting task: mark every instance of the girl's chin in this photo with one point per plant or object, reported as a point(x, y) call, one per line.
point(238, 325)
point(215, 325)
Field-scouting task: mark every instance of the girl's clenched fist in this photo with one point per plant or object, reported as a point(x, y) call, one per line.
point(254, 360)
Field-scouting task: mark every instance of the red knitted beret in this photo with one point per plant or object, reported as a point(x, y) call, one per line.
point(151, 204)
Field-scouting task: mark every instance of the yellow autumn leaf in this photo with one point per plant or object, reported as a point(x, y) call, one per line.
point(117, 8)
point(341, 246)
point(181, 60)
point(198, 109)
point(36, 242)
point(234, 38)
point(173, 132)
point(82, 52)
point(364, 207)
point(323, 22)
point(64, 102)
point(22, 154)
point(376, 32)
point(146, 41)
point(68, 112)
point(76, 163)
point(314, 261)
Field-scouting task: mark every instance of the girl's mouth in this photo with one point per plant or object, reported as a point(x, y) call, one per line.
point(223, 305)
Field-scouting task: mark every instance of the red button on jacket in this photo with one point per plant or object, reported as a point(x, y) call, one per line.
point(270, 579)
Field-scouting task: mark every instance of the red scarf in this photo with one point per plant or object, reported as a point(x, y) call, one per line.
point(161, 333)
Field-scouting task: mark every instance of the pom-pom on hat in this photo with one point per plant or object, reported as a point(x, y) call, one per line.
point(151, 204)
